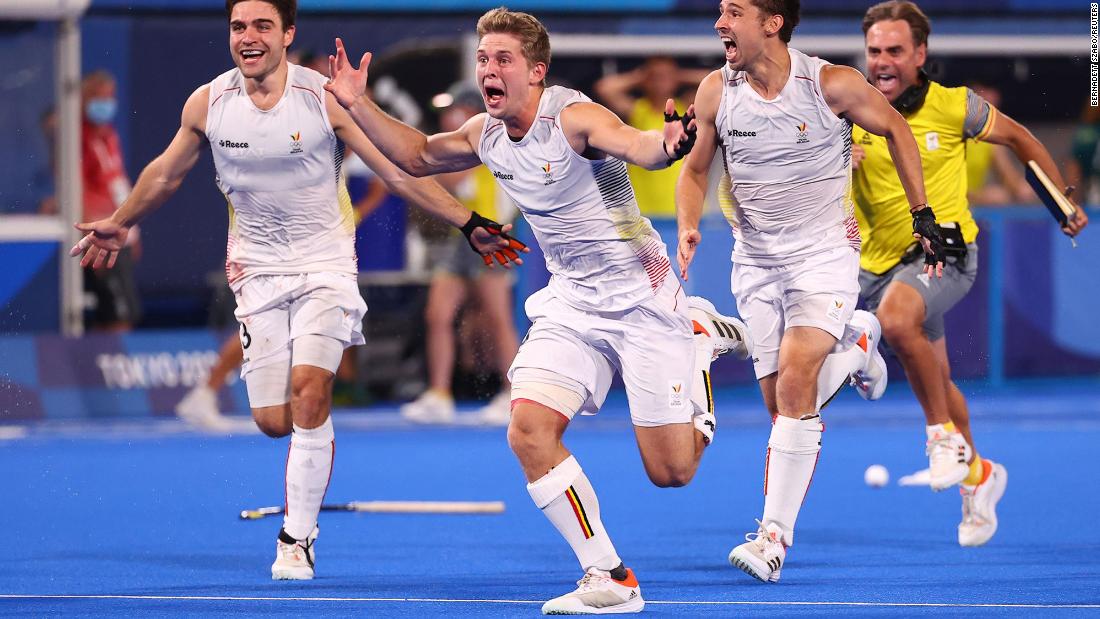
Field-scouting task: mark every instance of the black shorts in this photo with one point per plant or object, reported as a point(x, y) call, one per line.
point(115, 292)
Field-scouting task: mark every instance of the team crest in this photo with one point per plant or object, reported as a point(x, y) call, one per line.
point(803, 138)
point(676, 393)
point(932, 140)
point(549, 179)
point(295, 142)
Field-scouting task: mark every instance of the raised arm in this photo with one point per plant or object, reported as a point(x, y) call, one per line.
point(486, 237)
point(614, 90)
point(1007, 132)
point(411, 150)
point(691, 188)
point(592, 126)
point(157, 182)
point(849, 95)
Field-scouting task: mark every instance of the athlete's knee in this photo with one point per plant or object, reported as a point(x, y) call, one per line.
point(532, 430)
point(900, 329)
point(273, 421)
point(310, 395)
point(671, 474)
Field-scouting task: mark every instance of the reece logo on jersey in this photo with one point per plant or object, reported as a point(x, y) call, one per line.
point(295, 142)
point(232, 144)
point(737, 133)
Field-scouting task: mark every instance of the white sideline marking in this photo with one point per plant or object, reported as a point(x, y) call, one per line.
point(228, 598)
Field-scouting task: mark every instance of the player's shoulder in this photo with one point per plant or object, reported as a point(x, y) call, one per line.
point(946, 102)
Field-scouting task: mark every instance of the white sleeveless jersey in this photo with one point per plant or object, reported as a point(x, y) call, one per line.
point(787, 190)
point(601, 253)
point(280, 171)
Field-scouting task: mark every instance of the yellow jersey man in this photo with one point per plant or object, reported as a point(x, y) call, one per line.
point(909, 304)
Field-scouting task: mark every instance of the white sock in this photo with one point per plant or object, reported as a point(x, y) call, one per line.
point(837, 372)
point(308, 469)
point(701, 397)
point(566, 497)
point(792, 456)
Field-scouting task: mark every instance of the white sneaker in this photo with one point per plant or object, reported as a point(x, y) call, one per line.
point(498, 412)
point(948, 457)
point(727, 334)
point(599, 594)
point(979, 507)
point(870, 382)
point(430, 407)
point(293, 558)
point(200, 408)
point(762, 554)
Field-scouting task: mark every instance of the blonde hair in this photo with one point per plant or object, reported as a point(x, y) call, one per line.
point(534, 40)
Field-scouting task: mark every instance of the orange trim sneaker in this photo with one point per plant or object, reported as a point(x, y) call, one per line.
point(870, 381)
point(293, 558)
point(599, 594)
point(762, 554)
point(979, 506)
point(726, 333)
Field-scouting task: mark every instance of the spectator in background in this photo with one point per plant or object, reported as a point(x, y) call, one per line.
point(638, 97)
point(992, 176)
point(456, 276)
point(106, 186)
point(1083, 166)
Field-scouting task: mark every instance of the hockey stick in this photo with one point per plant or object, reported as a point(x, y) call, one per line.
point(393, 507)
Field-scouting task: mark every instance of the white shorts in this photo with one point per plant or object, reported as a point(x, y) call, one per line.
point(820, 291)
point(274, 310)
point(651, 346)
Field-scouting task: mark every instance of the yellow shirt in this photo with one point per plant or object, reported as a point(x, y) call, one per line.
point(979, 158)
point(940, 128)
point(655, 190)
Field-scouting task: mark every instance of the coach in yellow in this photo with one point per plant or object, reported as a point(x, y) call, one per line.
point(909, 304)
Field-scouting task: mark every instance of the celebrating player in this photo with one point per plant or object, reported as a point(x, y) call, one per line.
point(612, 303)
point(909, 305)
point(275, 135)
point(783, 120)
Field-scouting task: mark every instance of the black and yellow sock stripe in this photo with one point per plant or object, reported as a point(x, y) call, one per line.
point(578, 509)
point(710, 393)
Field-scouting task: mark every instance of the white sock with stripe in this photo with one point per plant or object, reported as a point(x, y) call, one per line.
point(566, 497)
point(308, 469)
point(792, 457)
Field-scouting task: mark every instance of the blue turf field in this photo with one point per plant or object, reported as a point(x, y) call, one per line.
point(150, 511)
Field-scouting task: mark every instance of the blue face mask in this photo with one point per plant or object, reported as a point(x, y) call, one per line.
point(101, 111)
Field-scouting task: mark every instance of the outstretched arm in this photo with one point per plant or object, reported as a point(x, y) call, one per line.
point(1027, 147)
point(411, 150)
point(691, 188)
point(590, 125)
point(157, 182)
point(426, 193)
point(849, 95)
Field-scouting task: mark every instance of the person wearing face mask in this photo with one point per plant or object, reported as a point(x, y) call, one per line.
point(106, 186)
point(278, 142)
point(909, 305)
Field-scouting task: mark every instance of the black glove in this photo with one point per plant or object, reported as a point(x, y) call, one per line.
point(684, 147)
point(924, 224)
point(503, 255)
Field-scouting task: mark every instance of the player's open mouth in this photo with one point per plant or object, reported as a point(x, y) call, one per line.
point(493, 95)
point(885, 81)
point(251, 55)
point(731, 46)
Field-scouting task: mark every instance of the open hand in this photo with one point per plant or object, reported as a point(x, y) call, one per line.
point(100, 245)
point(346, 83)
